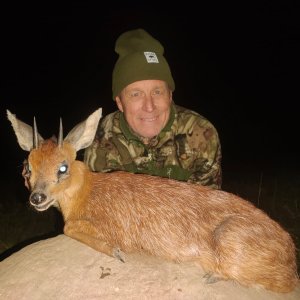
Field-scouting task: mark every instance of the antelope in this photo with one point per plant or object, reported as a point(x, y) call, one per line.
point(121, 212)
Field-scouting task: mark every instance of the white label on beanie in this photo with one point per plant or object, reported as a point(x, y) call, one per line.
point(151, 57)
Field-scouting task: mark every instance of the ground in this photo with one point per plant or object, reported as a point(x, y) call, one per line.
point(62, 268)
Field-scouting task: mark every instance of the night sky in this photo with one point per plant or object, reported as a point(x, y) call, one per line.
point(234, 64)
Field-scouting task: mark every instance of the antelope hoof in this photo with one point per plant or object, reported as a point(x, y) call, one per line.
point(117, 253)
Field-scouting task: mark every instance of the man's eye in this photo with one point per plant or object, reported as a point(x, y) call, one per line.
point(136, 94)
point(157, 92)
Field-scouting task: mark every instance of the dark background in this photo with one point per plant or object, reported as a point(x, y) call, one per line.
point(236, 64)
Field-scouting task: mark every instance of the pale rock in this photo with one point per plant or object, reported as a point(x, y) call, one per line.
point(63, 268)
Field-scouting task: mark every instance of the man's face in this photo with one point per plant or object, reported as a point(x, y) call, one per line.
point(146, 106)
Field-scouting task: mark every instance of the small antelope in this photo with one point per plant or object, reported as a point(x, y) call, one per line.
point(120, 212)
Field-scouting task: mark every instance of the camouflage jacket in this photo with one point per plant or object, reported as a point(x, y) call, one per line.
point(187, 149)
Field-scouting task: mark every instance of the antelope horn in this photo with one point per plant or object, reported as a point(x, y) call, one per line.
point(60, 134)
point(35, 135)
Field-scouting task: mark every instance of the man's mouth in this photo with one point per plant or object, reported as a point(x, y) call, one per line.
point(152, 119)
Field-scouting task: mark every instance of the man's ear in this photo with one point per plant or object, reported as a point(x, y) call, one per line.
point(119, 104)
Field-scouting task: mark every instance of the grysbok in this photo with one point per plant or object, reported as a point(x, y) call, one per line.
point(120, 212)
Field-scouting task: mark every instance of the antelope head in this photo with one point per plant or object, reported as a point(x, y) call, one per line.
point(49, 165)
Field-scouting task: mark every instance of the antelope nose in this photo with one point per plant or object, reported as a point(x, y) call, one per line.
point(37, 198)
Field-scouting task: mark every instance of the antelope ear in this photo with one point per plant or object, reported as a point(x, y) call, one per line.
point(23, 131)
point(83, 134)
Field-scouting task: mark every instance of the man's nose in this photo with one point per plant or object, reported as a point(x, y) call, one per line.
point(148, 103)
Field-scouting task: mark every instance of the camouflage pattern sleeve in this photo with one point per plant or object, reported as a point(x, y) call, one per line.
point(202, 155)
point(207, 165)
point(102, 155)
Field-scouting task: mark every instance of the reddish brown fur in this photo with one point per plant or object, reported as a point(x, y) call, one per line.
point(226, 235)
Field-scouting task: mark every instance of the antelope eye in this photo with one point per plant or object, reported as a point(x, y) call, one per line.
point(26, 169)
point(63, 169)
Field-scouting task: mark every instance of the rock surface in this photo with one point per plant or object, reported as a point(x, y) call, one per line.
point(63, 268)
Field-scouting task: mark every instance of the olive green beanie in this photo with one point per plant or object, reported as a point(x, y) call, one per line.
point(140, 58)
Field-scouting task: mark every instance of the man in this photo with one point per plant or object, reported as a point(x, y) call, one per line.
point(149, 133)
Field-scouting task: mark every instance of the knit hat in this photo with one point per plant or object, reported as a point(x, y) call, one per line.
point(140, 58)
